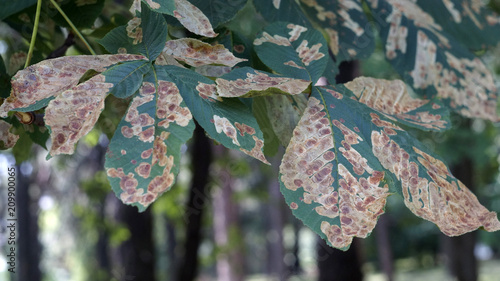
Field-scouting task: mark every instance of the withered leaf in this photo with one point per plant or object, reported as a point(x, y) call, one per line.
point(7, 139)
point(31, 87)
point(248, 82)
point(392, 98)
point(337, 173)
point(433, 62)
point(197, 53)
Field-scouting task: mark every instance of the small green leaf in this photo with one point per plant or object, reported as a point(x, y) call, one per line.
point(282, 10)
point(126, 77)
point(293, 50)
point(219, 11)
point(144, 35)
point(260, 111)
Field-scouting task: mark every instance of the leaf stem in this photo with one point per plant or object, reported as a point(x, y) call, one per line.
point(73, 26)
point(33, 35)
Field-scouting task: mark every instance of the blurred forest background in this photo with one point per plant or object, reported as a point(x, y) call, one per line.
point(225, 218)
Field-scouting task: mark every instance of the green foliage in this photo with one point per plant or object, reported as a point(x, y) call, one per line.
point(346, 147)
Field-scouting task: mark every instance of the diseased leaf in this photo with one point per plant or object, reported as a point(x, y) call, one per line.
point(471, 22)
point(393, 99)
point(197, 53)
point(33, 87)
point(282, 10)
point(346, 26)
point(432, 62)
point(144, 155)
point(248, 82)
point(145, 35)
point(293, 50)
point(74, 112)
point(193, 19)
point(340, 166)
point(7, 139)
point(227, 121)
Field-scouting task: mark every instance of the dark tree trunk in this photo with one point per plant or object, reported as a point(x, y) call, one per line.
point(199, 197)
point(28, 246)
point(384, 251)
point(336, 265)
point(276, 250)
point(459, 251)
point(135, 258)
point(230, 261)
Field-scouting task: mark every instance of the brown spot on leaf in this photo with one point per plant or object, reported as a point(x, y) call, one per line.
point(197, 53)
point(259, 81)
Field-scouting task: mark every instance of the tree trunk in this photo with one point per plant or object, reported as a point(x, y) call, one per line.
point(28, 246)
point(276, 248)
point(225, 222)
point(199, 196)
point(384, 251)
point(459, 251)
point(337, 265)
point(134, 259)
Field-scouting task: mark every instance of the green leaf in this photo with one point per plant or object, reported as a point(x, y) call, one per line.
point(12, 7)
point(470, 22)
point(82, 13)
point(227, 121)
point(282, 10)
point(126, 77)
point(434, 63)
point(247, 82)
point(143, 158)
point(284, 113)
point(345, 25)
point(293, 50)
point(144, 35)
point(271, 141)
point(392, 99)
point(343, 160)
point(219, 11)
